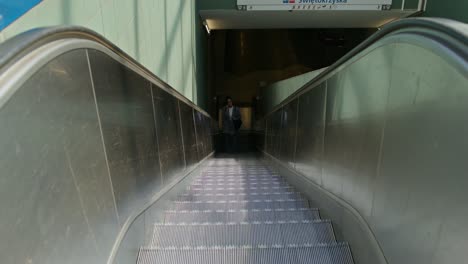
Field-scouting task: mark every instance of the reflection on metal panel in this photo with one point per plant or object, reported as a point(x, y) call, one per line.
point(310, 133)
point(55, 192)
point(126, 113)
point(394, 147)
point(208, 136)
point(269, 135)
point(188, 131)
point(276, 130)
point(288, 136)
point(169, 134)
point(201, 133)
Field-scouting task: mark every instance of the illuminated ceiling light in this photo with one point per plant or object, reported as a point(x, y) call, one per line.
point(208, 30)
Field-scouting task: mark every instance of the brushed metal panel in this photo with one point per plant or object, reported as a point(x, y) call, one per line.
point(126, 113)
point(204, 134)
point(310, 133)
point(276, 130)
point(260, 134)
point(169, 134)
point(269, 135)
point(188, 131)
point(420, 203)
point(209, 134)
point(201, 134)
point(288, 136)
point(356, 102)
point(395, 149)
point(351, 160)
point(55, 192)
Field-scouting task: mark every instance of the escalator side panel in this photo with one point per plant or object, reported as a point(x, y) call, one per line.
point(189, 133)
point(126, 114)
point(169, 134)
point(288, 136)
point(55, 192)
point(309, 150)
point(394, 149)
point(80, 158)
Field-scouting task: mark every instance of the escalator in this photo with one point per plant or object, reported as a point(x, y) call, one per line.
point(242, 212)
point(103, 162)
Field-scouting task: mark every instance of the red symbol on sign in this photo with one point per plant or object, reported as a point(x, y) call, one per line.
point(292, 1)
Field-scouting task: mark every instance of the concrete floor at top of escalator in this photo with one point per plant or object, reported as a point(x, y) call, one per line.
point(239, 210)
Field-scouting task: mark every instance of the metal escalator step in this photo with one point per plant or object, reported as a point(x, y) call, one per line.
point(201, 189)
point(339, 253)
point(220, 168)
point(242, 184)
point(234, 167)
point(239, 166)
point(239, 196)
point(238, 216)
point(255, 234)
point(238, 205)
point(237, 175)
point(239, 178)
point(247, 181)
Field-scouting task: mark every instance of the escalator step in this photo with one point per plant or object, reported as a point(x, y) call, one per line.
point(242, 212)
point(245, 181)
point(240, 196)
point(207, 190)
point(237, 165)
point(236, 168)
point(239, 178)
point(241, 216)
point(242, 184)
point(242, 171)
point(322, 254)
point(238, 205)
point(238, 173)
point(255, 234)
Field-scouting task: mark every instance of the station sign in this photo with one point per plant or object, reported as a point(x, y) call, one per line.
point(311, 5)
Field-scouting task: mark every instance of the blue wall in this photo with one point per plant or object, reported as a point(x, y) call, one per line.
point(12, 10)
